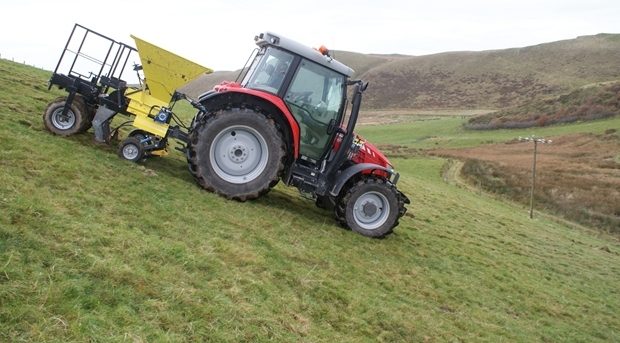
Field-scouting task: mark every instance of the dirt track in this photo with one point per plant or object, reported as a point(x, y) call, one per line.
point(578, 176)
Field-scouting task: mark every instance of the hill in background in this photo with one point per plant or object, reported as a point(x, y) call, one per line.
point(586, 103)
point(487, 79)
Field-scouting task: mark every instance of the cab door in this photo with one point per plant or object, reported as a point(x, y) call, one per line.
point(316, 99)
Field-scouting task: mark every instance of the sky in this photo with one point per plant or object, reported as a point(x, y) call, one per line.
point(220, 34)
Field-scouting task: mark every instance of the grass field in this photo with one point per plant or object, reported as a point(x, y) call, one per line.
point(448, 132)
point(578, 175)
point(93, 248)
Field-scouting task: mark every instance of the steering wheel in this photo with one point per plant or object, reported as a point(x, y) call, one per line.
point(308, 110)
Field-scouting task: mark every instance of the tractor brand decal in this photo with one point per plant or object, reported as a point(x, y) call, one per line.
point(360, 143)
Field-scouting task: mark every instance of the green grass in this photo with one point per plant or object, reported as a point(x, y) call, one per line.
point(93, 248)
point(449, 132)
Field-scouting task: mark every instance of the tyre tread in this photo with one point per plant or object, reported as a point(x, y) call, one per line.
point(201, 123)
point(353, 186)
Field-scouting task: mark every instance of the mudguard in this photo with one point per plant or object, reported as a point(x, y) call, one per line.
point(225, 89)
point(345, 175)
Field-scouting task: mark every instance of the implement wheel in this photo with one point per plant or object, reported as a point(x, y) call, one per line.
point(76, 120)
point(237, 153)
point(131, 149)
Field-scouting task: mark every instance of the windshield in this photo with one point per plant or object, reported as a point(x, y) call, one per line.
point(268, 70)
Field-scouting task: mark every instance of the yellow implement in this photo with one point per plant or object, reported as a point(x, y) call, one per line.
point(92, 69)
point(164, 72)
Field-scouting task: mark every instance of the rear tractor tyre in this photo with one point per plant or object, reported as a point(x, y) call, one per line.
point(237, 153)
point(76, 120)
point(131, 149)
point(325, 202)
point(370, 207)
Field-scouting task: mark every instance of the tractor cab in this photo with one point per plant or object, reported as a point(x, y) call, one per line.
point(312, 85)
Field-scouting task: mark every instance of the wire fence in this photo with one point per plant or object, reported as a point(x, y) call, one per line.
point(21, 61)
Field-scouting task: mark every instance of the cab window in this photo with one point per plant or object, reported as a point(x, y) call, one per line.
point(268, 70)
point(315, 98)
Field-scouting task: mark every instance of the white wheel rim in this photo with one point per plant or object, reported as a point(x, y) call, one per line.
point(371, 210)
point(63, 122)
point(239, 154)
point(130, 152)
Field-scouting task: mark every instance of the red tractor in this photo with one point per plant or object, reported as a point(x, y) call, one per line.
point(286, 121)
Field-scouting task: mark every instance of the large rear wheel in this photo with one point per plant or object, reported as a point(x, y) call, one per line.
point(237, 153)
point(76, 120)
point(370, 206)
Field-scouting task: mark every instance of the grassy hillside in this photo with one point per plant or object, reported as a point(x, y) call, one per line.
point(484, 79)
point(206, 82)
point(361, 63)
point(449, 132)
point(578, 175)
point(93, 248)
point(494, 79)
point(586, 103)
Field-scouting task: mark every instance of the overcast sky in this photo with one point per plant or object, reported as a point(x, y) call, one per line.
point(219, 34)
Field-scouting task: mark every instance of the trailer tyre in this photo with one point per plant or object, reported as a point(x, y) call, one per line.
point(76, 120)
point(370, 206)
point(237, 153)
point(131, 149)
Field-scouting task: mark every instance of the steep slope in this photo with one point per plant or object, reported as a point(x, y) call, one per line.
point(94, 248)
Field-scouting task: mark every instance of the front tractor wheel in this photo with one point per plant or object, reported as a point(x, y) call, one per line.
point(370, 207)
point(237, 153)
point(76, 120)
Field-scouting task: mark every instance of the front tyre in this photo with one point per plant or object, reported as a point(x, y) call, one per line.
point(237, 153)
point(370, 207)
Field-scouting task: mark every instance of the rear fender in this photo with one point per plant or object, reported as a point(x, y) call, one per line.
point(366, 168)
point(216, 100)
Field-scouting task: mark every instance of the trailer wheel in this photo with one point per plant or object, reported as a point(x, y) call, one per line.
point(370, 207)
point(76, 120)
point(131, 149)
point(237, 153)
